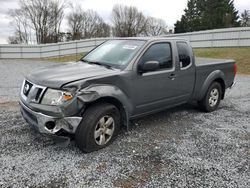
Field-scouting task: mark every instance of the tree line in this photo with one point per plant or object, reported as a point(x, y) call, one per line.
point(42, 20)
point(211, 14)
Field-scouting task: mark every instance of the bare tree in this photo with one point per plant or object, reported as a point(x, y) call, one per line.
point(56, 17)
point(94, 25)
point(156, 27)
point(86, 24)
point(17, 38)
point(75, 18)
point(20, 24)
point(245, 18)
point(128, 21)
point(44, 17)
point(103, 30)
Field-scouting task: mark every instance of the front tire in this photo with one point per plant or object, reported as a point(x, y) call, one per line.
point(99, 127)
point(212, 99)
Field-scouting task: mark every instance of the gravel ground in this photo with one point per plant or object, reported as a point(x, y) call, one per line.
point(181, 147)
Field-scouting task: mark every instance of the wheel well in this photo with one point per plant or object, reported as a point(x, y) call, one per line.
point(222, 83)
point(115, 102)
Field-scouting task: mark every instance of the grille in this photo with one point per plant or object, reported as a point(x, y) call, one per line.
point(27, 87)
point(32, 92)
point(38, 94)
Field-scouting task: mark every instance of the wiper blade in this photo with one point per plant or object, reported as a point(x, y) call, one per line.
point(97, 63)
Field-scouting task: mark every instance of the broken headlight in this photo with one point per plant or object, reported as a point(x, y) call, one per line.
point(56, 97)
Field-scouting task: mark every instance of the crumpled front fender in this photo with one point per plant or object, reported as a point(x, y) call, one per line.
point(108, 93)
point(95, 92)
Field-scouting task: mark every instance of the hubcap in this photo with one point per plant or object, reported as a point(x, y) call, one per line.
point(213, 97)
point(104, 130)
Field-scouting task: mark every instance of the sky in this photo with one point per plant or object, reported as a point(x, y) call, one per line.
point(168, 10)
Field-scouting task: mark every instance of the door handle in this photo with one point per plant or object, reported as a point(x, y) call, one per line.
point(172, 76)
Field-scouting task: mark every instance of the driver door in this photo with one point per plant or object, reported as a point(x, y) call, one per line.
point(156, 89)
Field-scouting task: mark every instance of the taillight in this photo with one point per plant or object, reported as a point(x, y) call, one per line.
point(235, 69)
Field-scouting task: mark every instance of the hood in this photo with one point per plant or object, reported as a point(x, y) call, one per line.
point(56, 76)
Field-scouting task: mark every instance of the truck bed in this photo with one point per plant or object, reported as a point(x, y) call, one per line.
point(199, 61)
point(206, 66)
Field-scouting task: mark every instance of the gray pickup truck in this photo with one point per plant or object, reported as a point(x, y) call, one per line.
point(120, 80)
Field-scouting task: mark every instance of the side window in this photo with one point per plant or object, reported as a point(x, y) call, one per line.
point(184, 54)
point(160, 52)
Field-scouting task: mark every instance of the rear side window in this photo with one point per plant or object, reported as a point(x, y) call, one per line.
point(184, 55)
point(160, 52)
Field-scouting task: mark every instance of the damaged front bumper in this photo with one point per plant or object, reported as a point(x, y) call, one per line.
point(49, 124)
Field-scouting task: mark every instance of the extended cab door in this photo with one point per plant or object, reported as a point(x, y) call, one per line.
point(160, 88)
point(185, 69)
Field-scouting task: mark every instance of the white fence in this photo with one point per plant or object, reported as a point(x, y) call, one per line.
point(232, 37)
point(48, 50)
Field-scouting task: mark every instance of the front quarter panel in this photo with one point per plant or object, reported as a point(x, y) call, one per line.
point(95, 92)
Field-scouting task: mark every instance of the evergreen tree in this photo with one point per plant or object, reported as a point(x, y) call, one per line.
point(208, 14)
point(190, 21)
point(180, 26)
point(219, 14)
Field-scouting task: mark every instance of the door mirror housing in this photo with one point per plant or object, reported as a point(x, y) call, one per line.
point(149, 66)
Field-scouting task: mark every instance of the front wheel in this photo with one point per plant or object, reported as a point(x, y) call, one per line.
point(212, 99)
point(98, 128)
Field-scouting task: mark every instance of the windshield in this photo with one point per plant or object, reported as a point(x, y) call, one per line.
point(115, 53)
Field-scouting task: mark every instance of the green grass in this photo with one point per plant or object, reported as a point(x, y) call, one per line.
point(67, 58)
point(241, 55)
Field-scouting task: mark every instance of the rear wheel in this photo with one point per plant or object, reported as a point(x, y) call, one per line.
point(212, 99)
point(98, 128)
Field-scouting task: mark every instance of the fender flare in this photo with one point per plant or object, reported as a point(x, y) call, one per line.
point(96, 92)
point(217, 74)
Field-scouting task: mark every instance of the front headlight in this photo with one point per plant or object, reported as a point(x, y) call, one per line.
point(56, 97)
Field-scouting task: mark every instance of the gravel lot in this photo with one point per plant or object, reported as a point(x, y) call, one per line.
point(181, 147)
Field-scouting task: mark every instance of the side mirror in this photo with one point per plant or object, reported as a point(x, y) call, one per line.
point(149, 66)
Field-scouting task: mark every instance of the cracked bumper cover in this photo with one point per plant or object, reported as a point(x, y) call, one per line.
point(39, 120)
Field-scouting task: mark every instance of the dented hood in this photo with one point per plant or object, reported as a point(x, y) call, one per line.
point(58, 75)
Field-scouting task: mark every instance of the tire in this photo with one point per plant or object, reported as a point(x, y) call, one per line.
point(212, 99)
point(99, 127)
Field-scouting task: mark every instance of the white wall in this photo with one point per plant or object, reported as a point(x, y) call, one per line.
point(231, 37)
point(48, 50)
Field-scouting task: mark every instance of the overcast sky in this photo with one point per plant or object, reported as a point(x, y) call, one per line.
point(168, 10)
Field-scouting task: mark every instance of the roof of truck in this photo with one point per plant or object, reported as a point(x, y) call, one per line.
point(150, 38)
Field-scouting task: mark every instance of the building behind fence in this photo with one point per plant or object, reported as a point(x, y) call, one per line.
point(231, 37)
